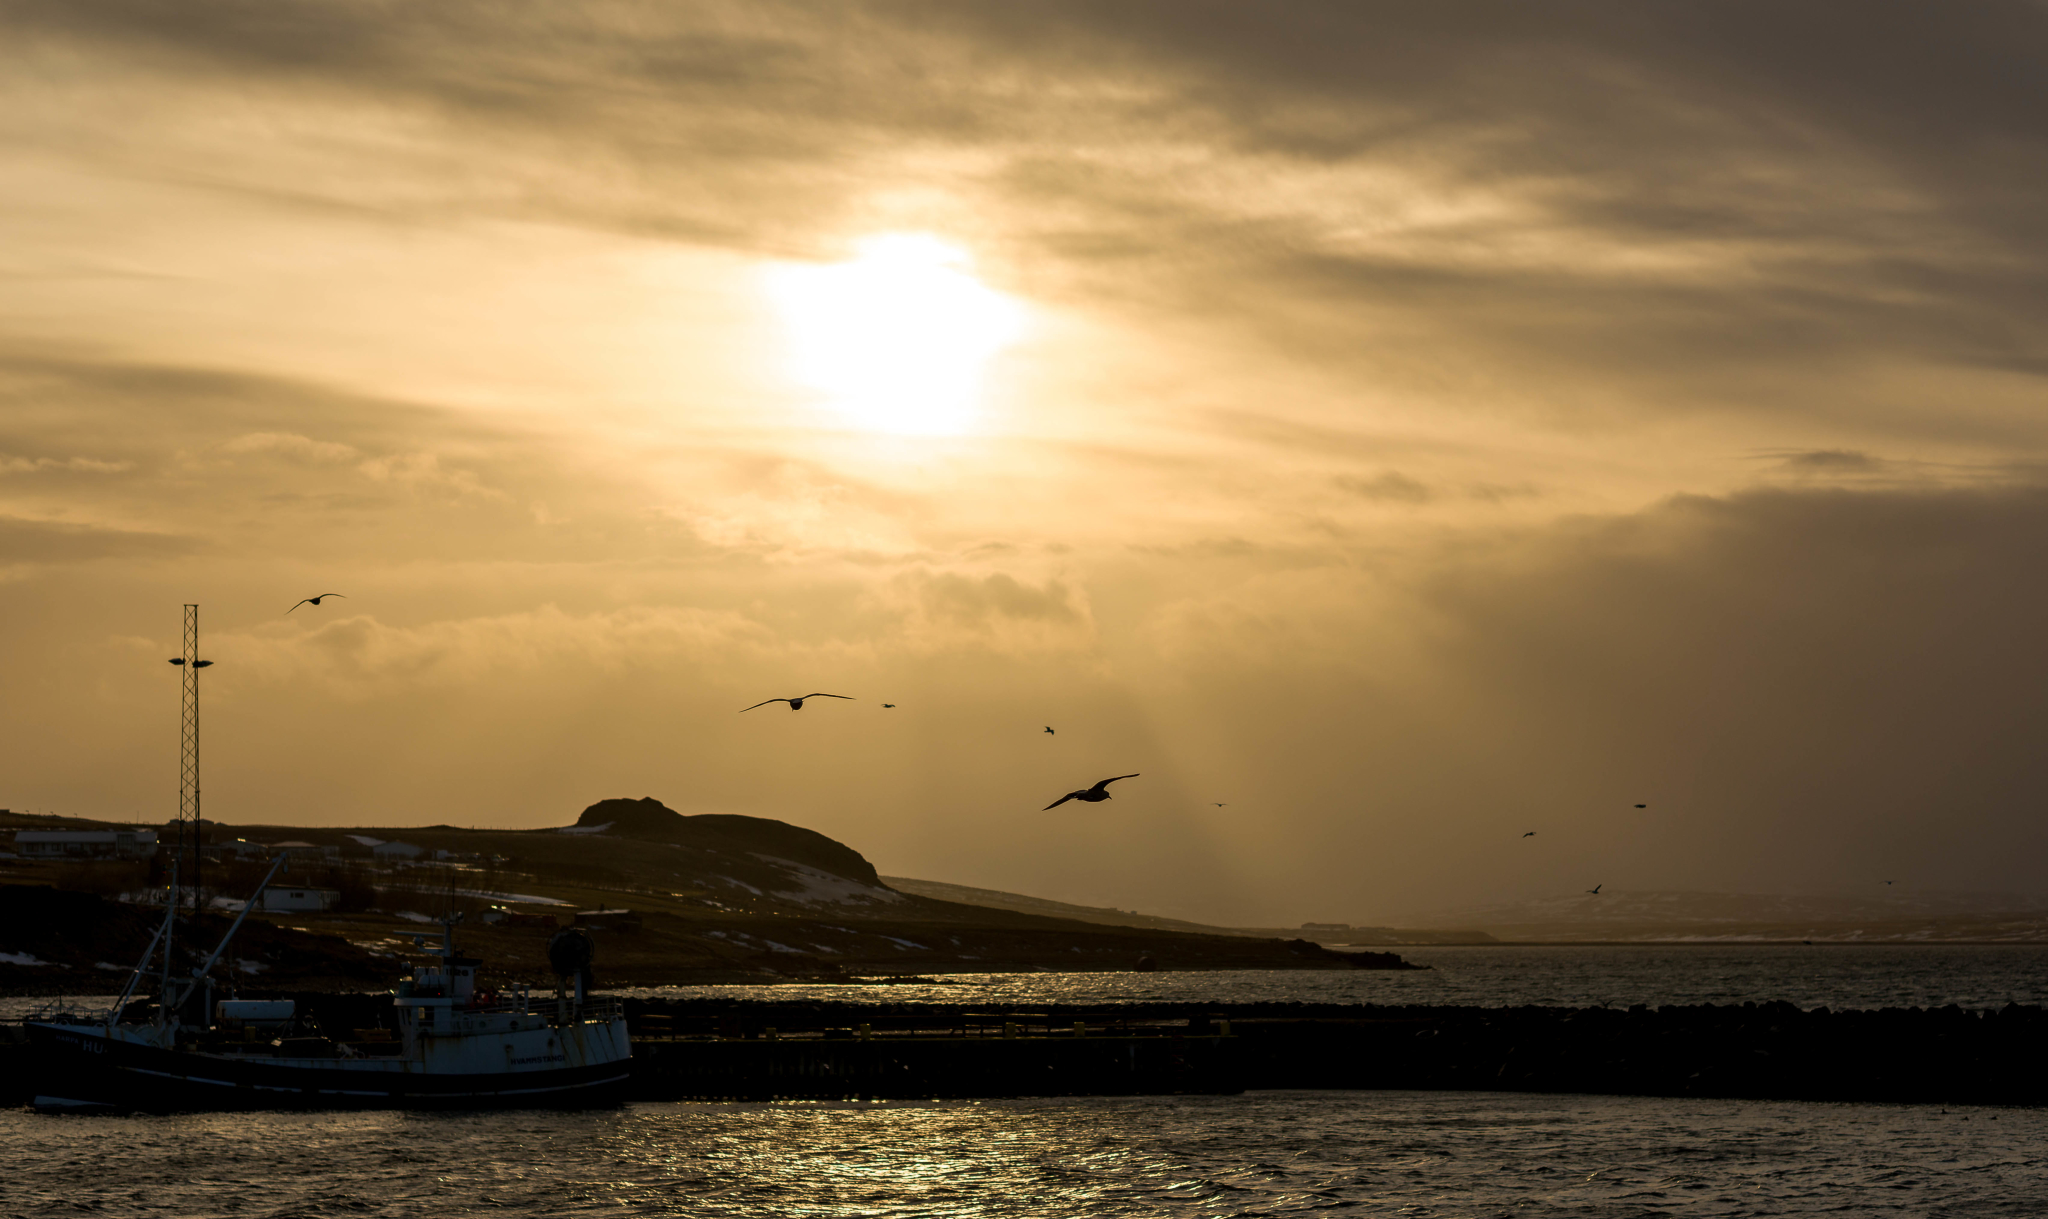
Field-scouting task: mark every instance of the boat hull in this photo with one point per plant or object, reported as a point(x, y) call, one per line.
point(80, 1068)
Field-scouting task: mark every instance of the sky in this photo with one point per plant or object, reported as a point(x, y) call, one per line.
point(1385, 429)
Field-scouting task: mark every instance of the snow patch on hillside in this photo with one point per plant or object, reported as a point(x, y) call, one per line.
point(816, 888)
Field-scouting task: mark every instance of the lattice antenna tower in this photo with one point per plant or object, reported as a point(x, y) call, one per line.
point(188, 749)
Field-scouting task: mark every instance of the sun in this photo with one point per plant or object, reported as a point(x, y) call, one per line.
point(898, 337)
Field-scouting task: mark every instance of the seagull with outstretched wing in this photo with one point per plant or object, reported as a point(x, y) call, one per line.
point(315, 601)
point(1092, 795)
point(1595, 890)
point(795, 704)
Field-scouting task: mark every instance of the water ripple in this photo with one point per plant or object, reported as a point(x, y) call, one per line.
point(1274, 1153)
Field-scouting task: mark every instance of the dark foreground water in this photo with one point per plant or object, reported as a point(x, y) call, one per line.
point(1273, 1153)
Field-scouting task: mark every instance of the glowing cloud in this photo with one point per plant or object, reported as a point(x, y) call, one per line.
point(898, 337)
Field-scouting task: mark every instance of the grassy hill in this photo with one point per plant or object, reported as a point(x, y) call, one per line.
point(998, 900)
point(712, 898)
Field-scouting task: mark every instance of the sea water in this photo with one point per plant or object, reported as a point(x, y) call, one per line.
point(1821, 975)
point(1264, 1153)
point(1834, 976)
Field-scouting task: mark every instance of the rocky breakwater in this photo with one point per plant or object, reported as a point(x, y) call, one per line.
point(763, 1049)
point(1762, 1051)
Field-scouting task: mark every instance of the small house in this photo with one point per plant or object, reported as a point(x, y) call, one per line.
point(296, 899)
point(233, 848)
point(85, 844)
point(305, 850)
point(505, 916)
point(608, 920)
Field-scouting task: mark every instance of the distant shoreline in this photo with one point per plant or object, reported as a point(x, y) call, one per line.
point(1696, 943)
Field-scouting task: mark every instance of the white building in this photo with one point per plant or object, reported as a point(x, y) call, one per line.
point(300, 899)
point(305, 850)
point(395, 850)
point(85, 844)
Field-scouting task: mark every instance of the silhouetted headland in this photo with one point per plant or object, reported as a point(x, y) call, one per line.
point(671, 899)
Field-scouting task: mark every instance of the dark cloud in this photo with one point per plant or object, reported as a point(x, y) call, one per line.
point(986, 603)
point(276, 467)
point(1810, 687)
point(1832, 461)
point(1830, 680)
point(1499, 247)
point(1677, 193)
point(1392, 486)
point(32, 541)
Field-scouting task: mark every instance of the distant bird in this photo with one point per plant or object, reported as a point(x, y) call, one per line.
point(795, 704)
point(1050, 732)
point(884, 704)
point(1887, 882)
point(1219, 803)
point(1530, 834)
point(1595, 890)
point(1092, 795)
point(1642, 806)
point(315, 601)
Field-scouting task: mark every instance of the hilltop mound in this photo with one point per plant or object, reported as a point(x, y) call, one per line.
point(651, 820)
point(642, 818)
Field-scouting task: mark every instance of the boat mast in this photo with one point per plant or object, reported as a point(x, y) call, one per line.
point(163, 986)
point(142, 966)
point(254, 898)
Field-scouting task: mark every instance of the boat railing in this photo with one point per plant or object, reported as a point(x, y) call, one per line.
point(602, 1010)
point(537, 1005)
point(64, 1011)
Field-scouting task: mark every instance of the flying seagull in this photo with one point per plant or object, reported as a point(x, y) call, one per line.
point(1049, 731)
point(795, 704)
point(1887, 882)
point(1530, 834)
point(884, 704)
point(1595, 890)
point(1642, 806)
point(1092, 795)
point(314, 601)
point(1220, 803)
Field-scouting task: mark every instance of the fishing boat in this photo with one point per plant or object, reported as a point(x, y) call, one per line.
point(452, 1044)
